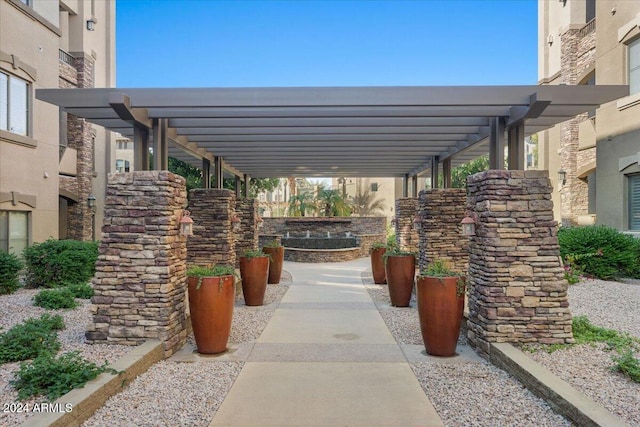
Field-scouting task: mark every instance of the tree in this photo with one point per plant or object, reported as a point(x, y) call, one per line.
point(256, 186)
point(459, 174)
point(191, 174)
point(301, 204)
point(364, 201)
point(332, 203)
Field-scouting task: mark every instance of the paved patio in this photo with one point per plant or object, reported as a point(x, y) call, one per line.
point(326, 358)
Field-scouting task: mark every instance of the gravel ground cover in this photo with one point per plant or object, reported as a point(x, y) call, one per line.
point(173, 393)
point(464, 394)
point(613, 305)
point(18, 307)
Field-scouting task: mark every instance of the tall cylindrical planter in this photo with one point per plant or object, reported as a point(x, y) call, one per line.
point(275, 266)
point(377, 266)
point(211, 305)
point(400, 271)
point(440, 308)
point(254, 272)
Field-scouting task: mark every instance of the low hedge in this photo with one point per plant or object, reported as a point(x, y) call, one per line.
point(56, 263)
point(10, 266)
point(600, 251)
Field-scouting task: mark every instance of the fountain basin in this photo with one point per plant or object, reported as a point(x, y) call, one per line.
point(319, 242)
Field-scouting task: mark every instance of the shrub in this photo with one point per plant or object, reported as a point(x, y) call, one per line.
point(53, 377)
point(55, 262)
point(55, 299)
point(30, 339)
point(600, 251)
point(83, 290)
point(10, 266)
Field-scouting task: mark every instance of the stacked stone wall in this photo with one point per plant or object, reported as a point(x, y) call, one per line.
point(214, 240)
point(140, 279)
point(247, 236)
point(441, 210)
point(319, 226)
point(406, 211)
point(321, 255)
point(517, 290)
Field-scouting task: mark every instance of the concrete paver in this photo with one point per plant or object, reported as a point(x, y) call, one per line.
point(327, 358)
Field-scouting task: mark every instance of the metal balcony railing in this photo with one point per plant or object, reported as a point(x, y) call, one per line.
point(65, 57)
point(588, 28)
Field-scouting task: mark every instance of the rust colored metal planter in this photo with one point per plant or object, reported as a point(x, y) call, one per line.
point(254, 272)
point(211, 306)
point(377, 266)
point(400, 271)
point(275, 266)
point(440, 310)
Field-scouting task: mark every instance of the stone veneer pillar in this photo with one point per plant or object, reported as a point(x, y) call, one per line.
point(140, 278)
point(406, 237)
point(441, 210)
point(213, 241)
point(247, 236)
point(517, 290)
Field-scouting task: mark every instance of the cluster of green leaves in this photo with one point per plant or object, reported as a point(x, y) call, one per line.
point(54, 263)
point(273, 244)
point(55, 299)
point(81, 290)
point(253, 253)
point(625, 346)
point(211, 271)
point(600, 251)
point(10, 266)
point(30, 339)
point(438, 268)
point(378, 245)
point(53, 377)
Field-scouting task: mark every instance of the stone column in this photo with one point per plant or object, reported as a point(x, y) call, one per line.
point(517, 290)
point(247, 236)
point(441, 210)
point(213, 241)
point(140, 279)
point(406, 210)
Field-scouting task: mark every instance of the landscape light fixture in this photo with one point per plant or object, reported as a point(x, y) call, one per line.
point(235, 222)
point(417, 223)
point(91, 202)
point(469, 225)
point(186, 224)
point(562, 177)
point(91, 24)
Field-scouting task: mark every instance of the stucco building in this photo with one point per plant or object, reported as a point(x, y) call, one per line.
point(52, 163)
point(582, 42)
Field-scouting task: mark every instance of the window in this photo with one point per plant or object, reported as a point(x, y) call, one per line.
point(13, 104)
point(124, 144)
point(634, 66)
point(634, 202)
point(123, 165)
point(14, 231)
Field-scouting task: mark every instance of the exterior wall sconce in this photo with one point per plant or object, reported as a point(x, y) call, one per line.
point(562, 177)
point(235, 222)
point(91, 203)
point(259, 221)
point(394, 221)
point(186, 224)
point(550, 39)
point(469, 225)
point(91, 24)
point(417, 223)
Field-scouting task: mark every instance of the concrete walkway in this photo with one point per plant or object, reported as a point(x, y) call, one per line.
point(326, 358)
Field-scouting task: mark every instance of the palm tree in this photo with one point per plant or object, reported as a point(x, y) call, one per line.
point(333, 203)
point(301, 204)
point(364, 202)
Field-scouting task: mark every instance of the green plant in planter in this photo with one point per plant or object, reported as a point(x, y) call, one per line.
point(395, 250)
point(378, 245)
point(439, 268)
point(210, 271)
point(254, 253)
point(273, 244)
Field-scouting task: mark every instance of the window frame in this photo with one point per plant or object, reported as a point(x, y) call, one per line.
point(27, 215)
point(636, 44)
point(630, 202)
point(28, 105)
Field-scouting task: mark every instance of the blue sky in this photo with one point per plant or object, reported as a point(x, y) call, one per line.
point(209, 43)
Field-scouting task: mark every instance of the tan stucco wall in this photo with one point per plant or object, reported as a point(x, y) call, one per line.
point(23, 169)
